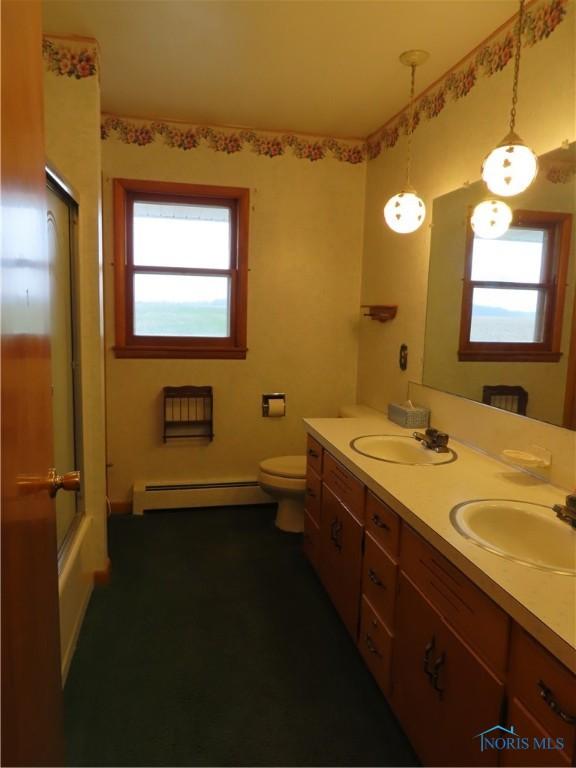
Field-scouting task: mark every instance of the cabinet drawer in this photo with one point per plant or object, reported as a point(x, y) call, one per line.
point(379, 580)
point(544, 686)
point(313, 494)
point(474, 616)
point(311, 541)
point(528, 728)
point(383, 524)
point(347, 488)
point(375, 645)
point(314, 453)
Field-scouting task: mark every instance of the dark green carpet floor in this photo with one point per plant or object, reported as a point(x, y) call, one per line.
point(216, 645)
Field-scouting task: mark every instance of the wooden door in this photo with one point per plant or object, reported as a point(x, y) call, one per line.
point(31, 687)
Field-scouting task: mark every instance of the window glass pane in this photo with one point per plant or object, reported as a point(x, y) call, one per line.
point(506, 315)
point(517, 256)
point(176, 305)
point(176, 235)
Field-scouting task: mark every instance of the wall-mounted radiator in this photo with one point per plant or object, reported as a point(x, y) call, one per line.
point(183, 495)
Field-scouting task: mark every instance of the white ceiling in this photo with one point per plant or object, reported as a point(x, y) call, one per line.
point(327, 67)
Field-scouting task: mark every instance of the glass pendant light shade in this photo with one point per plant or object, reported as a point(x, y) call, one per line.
point(491, 219)
point(404, 212)
point(510, 168)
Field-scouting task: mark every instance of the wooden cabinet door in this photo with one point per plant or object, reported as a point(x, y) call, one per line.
point(529, 728)
point(341, 558)
point(443, 694)
point(417, 636)
point(471, 697)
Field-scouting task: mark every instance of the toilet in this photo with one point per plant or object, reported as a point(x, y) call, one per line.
point(284, 478)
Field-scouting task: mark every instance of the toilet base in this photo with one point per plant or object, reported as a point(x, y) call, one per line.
point(290, 515)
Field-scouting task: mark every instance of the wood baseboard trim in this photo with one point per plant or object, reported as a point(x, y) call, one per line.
point(101, 578)
point(120, 507)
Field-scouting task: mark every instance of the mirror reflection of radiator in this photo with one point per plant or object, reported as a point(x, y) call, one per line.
point(508, 398)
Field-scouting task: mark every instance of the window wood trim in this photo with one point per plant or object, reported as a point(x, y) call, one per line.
point(125, 192)
point(559, 226)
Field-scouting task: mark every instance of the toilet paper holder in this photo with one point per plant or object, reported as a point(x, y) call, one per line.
point(274, 399)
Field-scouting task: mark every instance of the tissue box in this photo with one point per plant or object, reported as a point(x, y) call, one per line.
point(408, 417)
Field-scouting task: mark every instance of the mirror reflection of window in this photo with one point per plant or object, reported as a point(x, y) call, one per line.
point(508, 310)
point(513, 291)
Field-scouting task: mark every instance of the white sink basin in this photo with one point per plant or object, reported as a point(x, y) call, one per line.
point(398, 449)
point(519, 530)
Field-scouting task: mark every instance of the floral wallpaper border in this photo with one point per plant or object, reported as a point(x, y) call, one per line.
point(231, 140)
point(539, 22)
point(74, 58)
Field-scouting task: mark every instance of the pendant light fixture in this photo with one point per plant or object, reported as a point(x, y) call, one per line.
point(511, 167)
point(491, 219)
point(405, 211)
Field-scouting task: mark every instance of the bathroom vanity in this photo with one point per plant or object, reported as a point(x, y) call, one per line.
point(467, 646)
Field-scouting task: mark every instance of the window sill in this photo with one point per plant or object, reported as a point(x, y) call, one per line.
point(164, 351)
point(509, 356)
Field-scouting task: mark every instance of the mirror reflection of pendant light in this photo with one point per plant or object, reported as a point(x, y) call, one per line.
point(491, 219)
point(405, 211)
point(511, 167)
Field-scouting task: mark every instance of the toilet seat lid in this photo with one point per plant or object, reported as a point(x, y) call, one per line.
point(285, 466)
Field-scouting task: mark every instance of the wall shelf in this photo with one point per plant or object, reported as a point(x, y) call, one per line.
point(380, 312)
point(188, 413)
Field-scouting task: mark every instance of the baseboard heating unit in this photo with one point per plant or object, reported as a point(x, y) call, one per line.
point(150, 496)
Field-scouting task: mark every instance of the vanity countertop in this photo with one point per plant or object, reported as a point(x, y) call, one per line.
point(544, 603)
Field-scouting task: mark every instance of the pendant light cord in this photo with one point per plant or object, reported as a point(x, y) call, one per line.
point(516, 66)
point(410, 126)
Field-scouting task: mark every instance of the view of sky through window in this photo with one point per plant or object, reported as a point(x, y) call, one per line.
point(181, 236)
point(508, 314)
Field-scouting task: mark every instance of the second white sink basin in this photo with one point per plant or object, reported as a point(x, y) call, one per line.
point(399, 449)
point(519, 530)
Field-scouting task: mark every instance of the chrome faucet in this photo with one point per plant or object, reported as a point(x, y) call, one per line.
point(567, 512)
point(433, 439)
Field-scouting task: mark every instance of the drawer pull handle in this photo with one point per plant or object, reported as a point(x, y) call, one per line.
point(377, 520)
point(314, 454)
point(374, 578)
point(427, 651)
point(310, 492)
point(335, 534)
point(434, 677)
point(547, 695)
point(371, 647)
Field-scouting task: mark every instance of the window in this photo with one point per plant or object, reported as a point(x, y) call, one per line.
point(180, 260)
point(513, 294)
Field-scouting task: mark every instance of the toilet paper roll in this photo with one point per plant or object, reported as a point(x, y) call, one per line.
point(276, 407)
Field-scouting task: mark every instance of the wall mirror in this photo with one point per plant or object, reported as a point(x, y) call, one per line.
point(542, 390)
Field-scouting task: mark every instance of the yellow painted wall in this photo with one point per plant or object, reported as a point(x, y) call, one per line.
point(303, 317)
point(447, 152)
